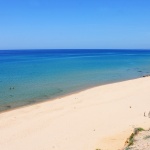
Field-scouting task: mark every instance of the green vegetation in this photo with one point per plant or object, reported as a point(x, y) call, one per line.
point(130, 140)
point(127, 148)
point(140, 129)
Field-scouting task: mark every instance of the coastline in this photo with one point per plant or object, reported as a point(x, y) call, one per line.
point(101, 117)
point(67, 94)
point(33, 76)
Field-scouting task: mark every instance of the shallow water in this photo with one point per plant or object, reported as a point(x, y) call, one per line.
point(29, 76)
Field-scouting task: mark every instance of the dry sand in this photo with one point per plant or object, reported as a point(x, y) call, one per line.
point(98, 118)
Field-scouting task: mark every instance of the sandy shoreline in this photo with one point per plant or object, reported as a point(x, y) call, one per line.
point(61, 96)
point(97, 118)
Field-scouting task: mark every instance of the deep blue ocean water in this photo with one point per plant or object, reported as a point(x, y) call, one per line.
point(30, 76)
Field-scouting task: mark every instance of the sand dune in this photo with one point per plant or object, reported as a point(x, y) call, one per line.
point(97, 118)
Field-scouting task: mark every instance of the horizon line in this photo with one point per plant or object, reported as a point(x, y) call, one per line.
point(78, 49)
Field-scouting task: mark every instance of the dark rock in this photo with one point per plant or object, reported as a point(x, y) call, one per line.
point(8, 106)
point(146, 76)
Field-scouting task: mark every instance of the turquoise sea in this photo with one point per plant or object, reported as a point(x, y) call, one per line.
point(30, 76)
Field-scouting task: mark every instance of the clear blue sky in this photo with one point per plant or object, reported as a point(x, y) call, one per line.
point(26, 24)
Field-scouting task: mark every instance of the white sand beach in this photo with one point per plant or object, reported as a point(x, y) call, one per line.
point(98, 118)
